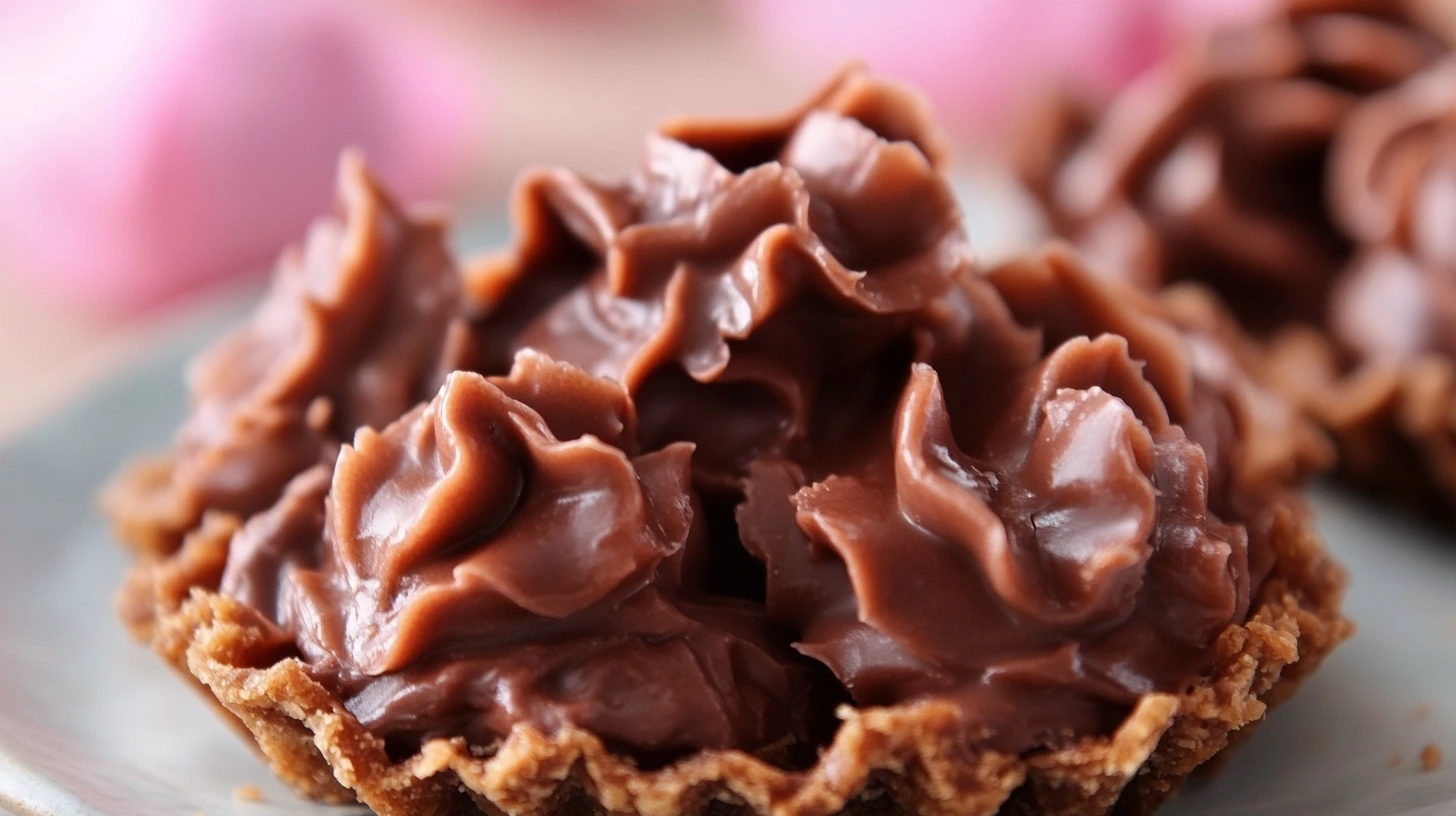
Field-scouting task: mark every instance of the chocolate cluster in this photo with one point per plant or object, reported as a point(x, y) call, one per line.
point(712, 450)
point(1302, 167)
point(1382, 375)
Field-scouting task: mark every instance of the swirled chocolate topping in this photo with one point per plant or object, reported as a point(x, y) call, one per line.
point(1043, 546)
point(479, 564)
point(1212, 167)
point(350, 334)
point(1393, 185)
point(745, 270)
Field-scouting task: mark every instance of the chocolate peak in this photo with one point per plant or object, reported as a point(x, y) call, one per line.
point(895, 112)
point(745, 263)
point(352, 332)
point(471, 502)
point(1394, 161)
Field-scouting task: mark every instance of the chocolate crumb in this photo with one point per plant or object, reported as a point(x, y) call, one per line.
point(247, 793)
point(1431, 757)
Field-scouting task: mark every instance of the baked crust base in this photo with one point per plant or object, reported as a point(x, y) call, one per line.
point(147, 511)
point(907, 759)
point(1395, 425)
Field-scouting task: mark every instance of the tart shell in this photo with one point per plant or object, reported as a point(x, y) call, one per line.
point(1394, 424)
point(914, 758)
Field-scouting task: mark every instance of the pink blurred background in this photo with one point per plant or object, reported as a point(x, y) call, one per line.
point(155, 154)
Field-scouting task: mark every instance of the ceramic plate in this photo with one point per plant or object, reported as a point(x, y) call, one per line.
point(92, 724)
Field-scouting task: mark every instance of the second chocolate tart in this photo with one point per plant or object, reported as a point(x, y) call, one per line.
point(1300, 167)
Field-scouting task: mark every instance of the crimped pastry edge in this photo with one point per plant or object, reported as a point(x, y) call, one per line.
point(911, 758)
point(147, 514)
point(1394, 424)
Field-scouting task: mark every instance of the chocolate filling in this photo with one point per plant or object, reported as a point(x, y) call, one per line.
point(728, 297)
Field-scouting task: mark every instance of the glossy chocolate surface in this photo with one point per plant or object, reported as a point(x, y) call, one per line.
point(747, 269)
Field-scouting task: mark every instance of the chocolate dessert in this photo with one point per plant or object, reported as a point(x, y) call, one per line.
point(735, 487)
point(1212, 167)
point(1382, 373)
point(1301, 168)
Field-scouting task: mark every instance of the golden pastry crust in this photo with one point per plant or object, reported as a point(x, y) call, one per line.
point(912, 758)
point(146, 514)
point(156, 587)
point(1394, 423)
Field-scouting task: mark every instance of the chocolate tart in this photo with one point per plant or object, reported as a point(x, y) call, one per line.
point(1212, 167)
point(1300, 167)
point(733, 487)
point(1382, 376)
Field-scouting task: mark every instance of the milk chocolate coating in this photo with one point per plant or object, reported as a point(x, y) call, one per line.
point(479, 564)
point(1212, 168)
point(1045, 545)
point(351, 333)
point(748, 269)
